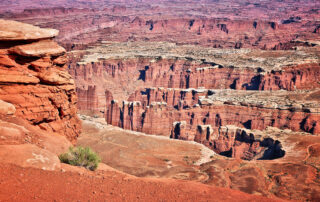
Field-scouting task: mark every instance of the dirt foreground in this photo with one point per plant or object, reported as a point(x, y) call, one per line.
point(30, 184)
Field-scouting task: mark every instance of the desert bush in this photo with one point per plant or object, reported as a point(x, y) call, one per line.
point(81, 156)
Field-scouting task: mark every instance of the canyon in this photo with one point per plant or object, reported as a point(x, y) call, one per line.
point(243, 24)
point(219, 97)
point(165, 91)
point(38, 121)
point(256, 108)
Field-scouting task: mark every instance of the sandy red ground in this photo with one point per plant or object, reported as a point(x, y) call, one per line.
point(29, 184)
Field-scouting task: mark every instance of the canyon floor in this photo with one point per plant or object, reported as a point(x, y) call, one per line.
point(144, 155)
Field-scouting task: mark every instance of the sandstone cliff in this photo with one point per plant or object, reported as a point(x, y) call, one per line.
point(34, 79)
point(157, 110)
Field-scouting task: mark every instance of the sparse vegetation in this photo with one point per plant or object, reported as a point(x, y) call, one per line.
point(188, 160)
point(166, 160)
point(81, 156)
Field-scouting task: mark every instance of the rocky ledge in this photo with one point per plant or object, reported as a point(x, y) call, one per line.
point(34, 79)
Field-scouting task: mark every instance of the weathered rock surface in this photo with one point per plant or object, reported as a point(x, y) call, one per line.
point(34, 79)
point(38, 49)
point(37, 98)
point(6, 108)
point(28, 155)
point(16, 31)
point(26, 145)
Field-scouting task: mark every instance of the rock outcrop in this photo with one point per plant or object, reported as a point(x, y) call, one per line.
point(34, 79)
point(38, 118)
point(26, 145)
point(239, 143)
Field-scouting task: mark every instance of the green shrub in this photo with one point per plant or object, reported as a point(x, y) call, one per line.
point(81, 156)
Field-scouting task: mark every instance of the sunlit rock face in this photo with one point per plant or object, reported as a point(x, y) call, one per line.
point(34, 78)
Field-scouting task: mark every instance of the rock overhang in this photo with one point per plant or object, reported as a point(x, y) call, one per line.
point(17, 31)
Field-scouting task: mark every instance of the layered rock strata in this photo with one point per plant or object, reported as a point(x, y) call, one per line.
point(219, 24)
point(167, 65)
point(162, 111)
point(33, 78)
point(239, 143)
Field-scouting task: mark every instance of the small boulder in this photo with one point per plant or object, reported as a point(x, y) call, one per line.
point(6, 108)
point(39, 49)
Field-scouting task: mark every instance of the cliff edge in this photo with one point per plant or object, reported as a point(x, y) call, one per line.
point(34, 78)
